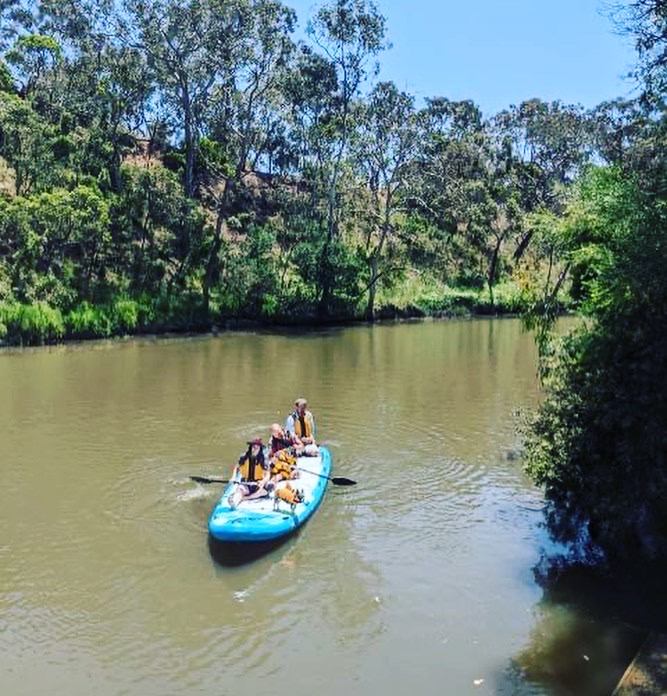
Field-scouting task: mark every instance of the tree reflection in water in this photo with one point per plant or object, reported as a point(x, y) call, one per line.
point(589, 626)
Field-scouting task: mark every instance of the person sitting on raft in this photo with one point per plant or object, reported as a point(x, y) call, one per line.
point(255, 474)
point(280, 440)
point(283, 450)
point(301, 424)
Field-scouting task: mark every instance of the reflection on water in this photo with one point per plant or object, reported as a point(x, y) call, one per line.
point(587, 619)
point(419, 577)
point(569, 652)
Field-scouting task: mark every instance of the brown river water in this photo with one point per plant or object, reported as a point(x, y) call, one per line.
point(418, 579)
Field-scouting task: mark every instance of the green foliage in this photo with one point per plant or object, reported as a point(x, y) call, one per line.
point(227, 171)
point(88, 321)
point(6, 81)
point(251, 277)
point(31, 324)
point(125, 314)
point(598, 442)
point(25, 145)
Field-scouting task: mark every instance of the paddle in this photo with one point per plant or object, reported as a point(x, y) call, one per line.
point(204, 479)
point(336, 480)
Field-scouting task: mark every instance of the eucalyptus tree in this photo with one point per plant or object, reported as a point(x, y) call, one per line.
point(35, 58)
point(192, 47)
point(309, 88)
point(385, 145)
point(617, 126)
point(16, 17)
point(350, 33)
point(646, 22)
point(244, 116)
point(70, 23)
point(452, 186)
point(112, 97)
point(546, 144)
point(26, 145)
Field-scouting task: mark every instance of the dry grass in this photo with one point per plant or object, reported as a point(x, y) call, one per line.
point(7, 179)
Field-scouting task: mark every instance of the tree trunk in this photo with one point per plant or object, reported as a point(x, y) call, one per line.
point(372, 288)
point(188, 132)
point(212, 270)
point(493, 267)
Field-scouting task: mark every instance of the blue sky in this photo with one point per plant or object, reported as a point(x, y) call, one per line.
point(501, 52)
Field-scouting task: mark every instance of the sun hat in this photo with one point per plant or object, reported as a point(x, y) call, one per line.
point(301, 402)
point(256, 441)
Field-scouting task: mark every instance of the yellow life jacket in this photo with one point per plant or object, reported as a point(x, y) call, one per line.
point(303, 425)
point(251, 469)
point(284, 464)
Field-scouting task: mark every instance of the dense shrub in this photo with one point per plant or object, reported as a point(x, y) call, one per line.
point(31, 324)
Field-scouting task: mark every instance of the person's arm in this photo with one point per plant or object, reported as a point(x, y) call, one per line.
point(289, 426)
point(237, 467)
point(267, 475)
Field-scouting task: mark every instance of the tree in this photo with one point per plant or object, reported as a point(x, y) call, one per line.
point(451, 187)
point(598, 442)
point(386, 143)
point(616, 127)
point(58, 243)
point(34, 55)
point(244, 115)
point(547, 145)
point(646, 22)
point(158, 231)
point(350, 33)
point(25, 143)
point(192, 47)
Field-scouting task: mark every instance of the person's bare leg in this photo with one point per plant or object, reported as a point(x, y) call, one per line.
point(261, 492)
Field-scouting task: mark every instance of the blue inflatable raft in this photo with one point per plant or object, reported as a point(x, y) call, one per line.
point(264, 519)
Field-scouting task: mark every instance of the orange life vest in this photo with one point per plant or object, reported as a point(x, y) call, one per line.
point(284, 464)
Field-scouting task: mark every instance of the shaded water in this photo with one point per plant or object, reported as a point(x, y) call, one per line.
point(418, 578)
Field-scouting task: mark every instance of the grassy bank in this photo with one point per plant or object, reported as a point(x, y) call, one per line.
point(40, 323)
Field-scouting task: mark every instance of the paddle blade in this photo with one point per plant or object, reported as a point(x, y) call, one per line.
point(204, 479)
point(342, 481)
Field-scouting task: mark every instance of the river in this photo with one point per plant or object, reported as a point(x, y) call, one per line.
point(418, 579)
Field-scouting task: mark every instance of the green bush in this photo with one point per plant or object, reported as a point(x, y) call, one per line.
point(125, 315)
point(31, 324)
point(88, 321)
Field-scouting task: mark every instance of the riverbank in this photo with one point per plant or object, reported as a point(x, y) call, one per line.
point(647, 673)
point(40, 323)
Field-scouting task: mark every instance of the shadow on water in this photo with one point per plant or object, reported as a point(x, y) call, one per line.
point(589, 627)
point(230, 554)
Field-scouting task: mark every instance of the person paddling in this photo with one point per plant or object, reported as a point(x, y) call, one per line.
point(255, 473)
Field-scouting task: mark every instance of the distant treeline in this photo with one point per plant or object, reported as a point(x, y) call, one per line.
point(173, 165)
